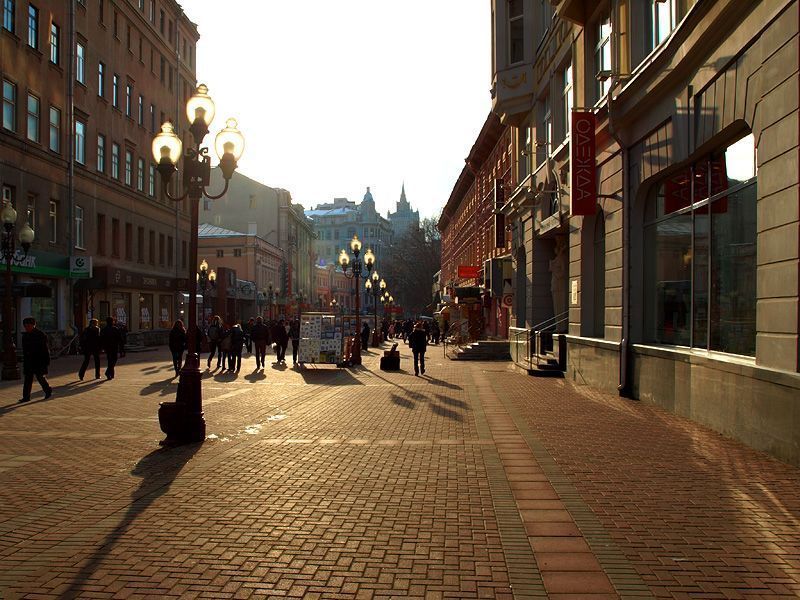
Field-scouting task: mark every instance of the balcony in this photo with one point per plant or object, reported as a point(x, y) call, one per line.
point(512, 93)
point(571, 10)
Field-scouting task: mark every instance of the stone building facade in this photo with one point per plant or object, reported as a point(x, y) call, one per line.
point(680, 285)
point(85, 87)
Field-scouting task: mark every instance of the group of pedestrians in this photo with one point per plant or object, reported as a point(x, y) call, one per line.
point(403, 329)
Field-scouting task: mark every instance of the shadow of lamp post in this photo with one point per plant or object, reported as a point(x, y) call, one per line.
point(183, 420)
point(26, 235)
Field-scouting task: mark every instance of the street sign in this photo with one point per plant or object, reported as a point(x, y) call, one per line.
point(468, 271)
point(508, 300)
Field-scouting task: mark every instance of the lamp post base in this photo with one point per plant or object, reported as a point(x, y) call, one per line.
point(376, 338)
point(183, 420)
point(355, 358)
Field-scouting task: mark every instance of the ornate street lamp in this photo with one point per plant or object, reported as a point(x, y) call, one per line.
point(206, 280)
point(9, 217)
point(355, 274)
point(333, 306)
point(182, 420)
point(374, 288)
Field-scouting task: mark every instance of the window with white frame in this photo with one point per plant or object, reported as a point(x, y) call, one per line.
point(115, 91)
point(115, 160)
point(80, 63)
point(79, 233)
point(33, 26)
point(128, 167)
point(55, 38)
point(662, 20)
point(140, 175)
point(516, 31)
point(101, 153)
point(101, 80)
point(9, 10)
point(9, 105)
point(602, 56)
point(141, 110)
point(33, 118)
point(55, 129)
point(128, 92)
point(151, 181)
point(568, 101)
point(53, 221)
point(547, 123)
point(80, 142)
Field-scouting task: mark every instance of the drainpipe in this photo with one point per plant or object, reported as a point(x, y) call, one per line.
point(624, 386)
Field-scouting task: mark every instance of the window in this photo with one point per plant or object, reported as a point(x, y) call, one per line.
point(141, 5)
point(9, 106)
point(220, 253)
point(663, 19)
point(163, 68)
point(55, 36)
point(152, 247)
point(128, 92)
point(53, 221)
point(115, 238)
point(170, 250)
point(152, 118)
point(79, 226)
point(55, 129)
point(140, 175)
point(80, 142)
point(31, 212)
point(101, 11)
point(700, 254)
point(237, 252)
point(162, 251)
point(170, 35)
point(9, 11)
point(602, 56)
point(33, 26)
point(141, 110)
point(152, 11)
point(183, 254)
point(547, 123)
point(33, 118)
point(115, 91)
point(116, 25)
point(101, 153)
point(101, 80)
point(128, 167)
point(115, 160)
point(568, 100)
point(151, 181)
point(128, 241)
point(140, 244)
point(101, 234)
point(161, 22)
point(516, 32)
point(80, 63)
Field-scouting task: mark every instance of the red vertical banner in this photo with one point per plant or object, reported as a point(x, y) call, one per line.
point(583, 193)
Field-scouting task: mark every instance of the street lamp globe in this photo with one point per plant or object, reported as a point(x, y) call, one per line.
point(200, 106)
point(26, 236)
point(391, 299)
point(369, 258)
point(383, 284)
point(344, 260)
point(204, 265)
point(167, 147)
point(375, 278)
point(8, 215)
point(212, 277)
point(355, 245)
point(368, 285)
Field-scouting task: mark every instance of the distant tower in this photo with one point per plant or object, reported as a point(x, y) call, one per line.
point(403, 218)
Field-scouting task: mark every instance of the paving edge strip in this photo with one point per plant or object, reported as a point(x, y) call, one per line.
point(523, 572)
point(618, 568)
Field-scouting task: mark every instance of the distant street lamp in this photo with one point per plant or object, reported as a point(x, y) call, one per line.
point(9, 217)
point(271, 295)
point(333, 306)
point(206, 280)
point(374, 288)
point(355, 274)
point(183, 420)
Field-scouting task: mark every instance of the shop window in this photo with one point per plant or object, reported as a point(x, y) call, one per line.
point(152, 247)
point(700, 254)
point(45, 310)
point(121, 307)
point(165, 320)
point(146, 312)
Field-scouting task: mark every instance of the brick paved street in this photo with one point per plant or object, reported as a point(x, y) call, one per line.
point(473, 481)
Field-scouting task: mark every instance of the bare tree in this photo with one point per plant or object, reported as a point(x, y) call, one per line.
point(413, 260)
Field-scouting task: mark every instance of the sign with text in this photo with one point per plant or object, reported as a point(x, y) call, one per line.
point(583, 189)
point(467, 271)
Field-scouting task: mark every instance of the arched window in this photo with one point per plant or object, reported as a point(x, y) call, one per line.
point(700, 254)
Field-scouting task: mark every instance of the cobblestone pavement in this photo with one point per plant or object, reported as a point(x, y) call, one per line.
point(471, 482)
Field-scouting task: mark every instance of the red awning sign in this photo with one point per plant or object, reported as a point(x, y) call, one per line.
point(467, 272)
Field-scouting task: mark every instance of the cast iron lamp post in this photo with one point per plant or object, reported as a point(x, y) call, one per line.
point(9, 217)
point(206, 280)
point(270, 299)
point(333, 306)
point(182, 420)
point(355, 274)
point(375, 289)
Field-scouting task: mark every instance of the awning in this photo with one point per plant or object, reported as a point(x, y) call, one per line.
point(29, 289)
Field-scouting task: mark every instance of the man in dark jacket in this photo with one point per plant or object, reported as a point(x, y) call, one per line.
point(418, 340)
point(365, 336)
point(235, 353)
point(111, 341)
point(90, 345)
point(260, 335)
point(35, 359)
point(294, 335)
point(281, 338)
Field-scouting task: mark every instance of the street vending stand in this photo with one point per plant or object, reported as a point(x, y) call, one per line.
point(320, 339)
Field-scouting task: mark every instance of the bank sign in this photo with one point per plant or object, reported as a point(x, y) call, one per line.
point(583, 196)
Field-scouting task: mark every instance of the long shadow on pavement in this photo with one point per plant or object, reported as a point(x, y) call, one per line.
point(158, 470)
point(73, 388)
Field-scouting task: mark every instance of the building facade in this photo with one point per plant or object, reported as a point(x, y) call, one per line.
point(655, 221)
point(80, 107)
point(404, 217)
point(475, 241)
point(259, 210)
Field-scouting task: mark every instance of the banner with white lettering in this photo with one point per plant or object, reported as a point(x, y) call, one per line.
point(583, 191)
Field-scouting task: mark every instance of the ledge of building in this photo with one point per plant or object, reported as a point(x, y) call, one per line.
point(594, 342)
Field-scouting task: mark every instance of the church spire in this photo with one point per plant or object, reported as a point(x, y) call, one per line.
point(403, 200)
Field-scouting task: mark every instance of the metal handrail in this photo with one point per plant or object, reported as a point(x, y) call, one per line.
point(454, 325)
point(559, 318)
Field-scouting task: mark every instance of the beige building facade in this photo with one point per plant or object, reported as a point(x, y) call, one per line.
point(680, 286)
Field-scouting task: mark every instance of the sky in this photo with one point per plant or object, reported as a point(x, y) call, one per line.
point(333, 96)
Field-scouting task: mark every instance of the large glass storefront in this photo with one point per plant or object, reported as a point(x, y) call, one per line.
point(700, 254)
point(45, 310)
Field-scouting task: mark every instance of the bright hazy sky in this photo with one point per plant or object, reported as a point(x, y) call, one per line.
point(337, 95)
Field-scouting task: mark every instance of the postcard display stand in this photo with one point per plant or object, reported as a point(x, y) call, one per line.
point(320, 339)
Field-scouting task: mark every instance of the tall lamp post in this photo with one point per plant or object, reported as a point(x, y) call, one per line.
point(270, 299)
point(183, 420)
point(333, 306)
point(9, 217)
point(206, 280)
point(355, 274)
point(373, 287)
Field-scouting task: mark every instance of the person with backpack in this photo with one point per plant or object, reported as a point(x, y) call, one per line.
point(177, 344)
point(90, 346)
point(236, 336)
point(214, 335)
point(113, 345)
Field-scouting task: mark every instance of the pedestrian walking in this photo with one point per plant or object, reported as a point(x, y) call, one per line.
point(113, 345)
point(214, 335)
point(294, 336)
point(177, 344)
point(281, 339)
point(365, 335)
point(224, 348)
point(90, 346)
point(35, 359)
point(418, 340)
point(236, 336)
point(260, 336)
point(247, 328)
